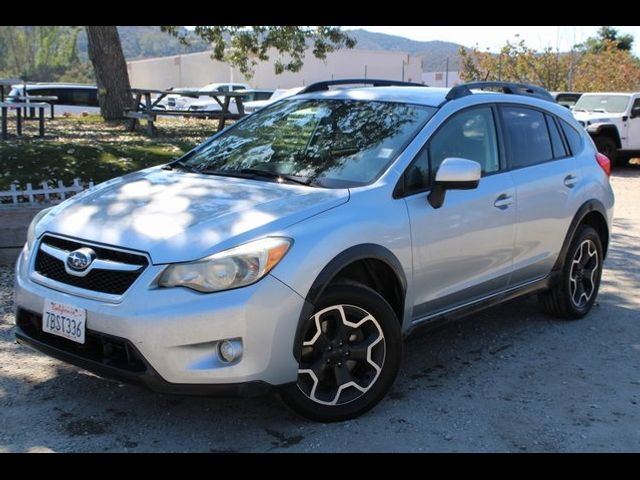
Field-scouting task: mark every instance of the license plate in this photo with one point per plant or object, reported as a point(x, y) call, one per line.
point(64, 320)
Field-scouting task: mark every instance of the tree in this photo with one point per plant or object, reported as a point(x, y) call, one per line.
point(110, 67)
point(607, 69)
point(40, 53)
point(244, 46)
point(516, 63)
point(605, 38)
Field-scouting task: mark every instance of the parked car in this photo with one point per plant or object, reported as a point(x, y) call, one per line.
point(613, 121)
point(566, 99)
point(178, 102)
point(210, 105)
point(296, 249)
point(255, 105)
point(72, 98)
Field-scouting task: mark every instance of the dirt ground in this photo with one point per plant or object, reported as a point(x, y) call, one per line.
point(509, 379)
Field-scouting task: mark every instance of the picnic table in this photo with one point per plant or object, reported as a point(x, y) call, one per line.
point(48, 99)
point(146, 106)
point(5, 106)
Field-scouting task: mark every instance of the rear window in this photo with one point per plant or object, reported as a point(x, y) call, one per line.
point(574, 139)
point(559, 150)
point(526, 136)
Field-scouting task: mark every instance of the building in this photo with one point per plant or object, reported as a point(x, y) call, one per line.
point(441, 79)
point(198, 69)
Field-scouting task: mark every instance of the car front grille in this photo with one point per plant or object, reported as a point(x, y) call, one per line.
point(113, 282)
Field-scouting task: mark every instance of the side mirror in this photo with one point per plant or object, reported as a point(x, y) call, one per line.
point(454, 174)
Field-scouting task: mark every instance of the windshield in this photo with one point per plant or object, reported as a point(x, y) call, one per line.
point(15, 92)
point(330, 143)
point(602, 103)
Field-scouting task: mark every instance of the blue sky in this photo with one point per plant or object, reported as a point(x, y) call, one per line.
point(494, 37)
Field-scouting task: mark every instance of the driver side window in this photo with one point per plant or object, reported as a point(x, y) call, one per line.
point(469, 134)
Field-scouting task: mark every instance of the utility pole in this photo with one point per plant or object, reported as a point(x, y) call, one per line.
point(365, 72)
point(403, 69)
point(446, 78)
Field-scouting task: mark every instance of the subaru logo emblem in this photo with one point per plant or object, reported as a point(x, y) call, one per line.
point(80, 259)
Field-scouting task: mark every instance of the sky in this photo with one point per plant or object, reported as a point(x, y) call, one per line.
point(495, 37)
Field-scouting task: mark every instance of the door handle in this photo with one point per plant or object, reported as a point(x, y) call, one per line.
point(570, 181)
point(503, 201)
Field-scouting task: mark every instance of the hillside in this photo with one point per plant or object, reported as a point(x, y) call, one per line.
point(148, 41)
point(434, 53)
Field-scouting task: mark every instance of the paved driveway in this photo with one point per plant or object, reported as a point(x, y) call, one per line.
point(508, 379)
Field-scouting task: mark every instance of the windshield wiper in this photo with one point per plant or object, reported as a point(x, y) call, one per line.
point(277, 176)
point(253, 173)
point(180, 164)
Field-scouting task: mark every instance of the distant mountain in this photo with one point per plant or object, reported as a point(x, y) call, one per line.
point(149, 41)
point(434, 53)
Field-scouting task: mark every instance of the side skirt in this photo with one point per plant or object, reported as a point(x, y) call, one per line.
point(438, 319)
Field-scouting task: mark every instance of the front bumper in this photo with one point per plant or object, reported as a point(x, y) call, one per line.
point(175, 332)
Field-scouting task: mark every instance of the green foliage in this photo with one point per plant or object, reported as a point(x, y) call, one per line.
point(604, 38)
point(245, 46)
point(41, 53)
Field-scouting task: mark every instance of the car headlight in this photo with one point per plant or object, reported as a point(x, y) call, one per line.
point(31, 231)
point(233, 268)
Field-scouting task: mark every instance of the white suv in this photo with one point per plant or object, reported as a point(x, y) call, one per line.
point(613, 121)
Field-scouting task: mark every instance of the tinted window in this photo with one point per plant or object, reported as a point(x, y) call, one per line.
point(82, 97)
point(526, 136)
point(470, 134)
point(574, 139)
point(559, 150)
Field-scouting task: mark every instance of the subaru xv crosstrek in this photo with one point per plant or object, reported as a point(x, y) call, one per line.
point(293, 251)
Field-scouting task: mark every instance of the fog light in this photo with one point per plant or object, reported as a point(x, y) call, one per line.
point(230, 350)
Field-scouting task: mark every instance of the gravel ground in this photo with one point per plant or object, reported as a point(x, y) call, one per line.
point(508, 379)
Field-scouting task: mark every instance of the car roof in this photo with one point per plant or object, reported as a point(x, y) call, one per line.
point(428, 96)
point(53, 85)
point(609, 93)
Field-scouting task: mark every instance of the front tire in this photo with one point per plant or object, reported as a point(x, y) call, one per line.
point(574, 295)
point(350, 353)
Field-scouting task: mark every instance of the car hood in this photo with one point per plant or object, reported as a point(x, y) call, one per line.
point(595, 117)
point(177, 216)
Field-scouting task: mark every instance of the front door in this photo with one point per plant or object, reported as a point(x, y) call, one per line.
point(463, 250)
point(633, 128)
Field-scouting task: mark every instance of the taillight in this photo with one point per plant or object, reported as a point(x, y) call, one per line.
point(604, 163)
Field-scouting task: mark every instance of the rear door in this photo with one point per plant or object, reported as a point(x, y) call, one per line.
point(547, 178)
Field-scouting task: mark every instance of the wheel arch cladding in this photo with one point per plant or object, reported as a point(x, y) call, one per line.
point(372, 265)
point(591, 213)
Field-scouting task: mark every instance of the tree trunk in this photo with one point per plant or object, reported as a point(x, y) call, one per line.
point(110, 67)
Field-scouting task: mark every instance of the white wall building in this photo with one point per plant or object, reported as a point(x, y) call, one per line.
point(442, 79)
point(198, 69)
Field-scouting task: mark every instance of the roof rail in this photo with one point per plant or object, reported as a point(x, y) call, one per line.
point(321, 86)
point(464, 89)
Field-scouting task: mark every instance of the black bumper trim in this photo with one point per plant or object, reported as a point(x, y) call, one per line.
point(149, 378)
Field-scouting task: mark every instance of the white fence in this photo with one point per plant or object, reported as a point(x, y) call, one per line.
point(46, 194)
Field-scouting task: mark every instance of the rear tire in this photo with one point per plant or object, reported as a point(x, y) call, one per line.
point(350, 355)
point(607, 146)
point(576, 291)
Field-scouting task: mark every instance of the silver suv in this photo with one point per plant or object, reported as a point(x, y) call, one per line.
point(294, 250)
